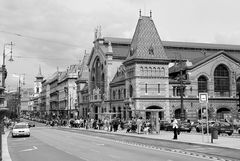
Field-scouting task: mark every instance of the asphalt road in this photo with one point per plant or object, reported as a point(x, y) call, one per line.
point(50, 144)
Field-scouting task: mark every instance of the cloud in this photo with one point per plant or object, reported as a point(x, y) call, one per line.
point(56, 32)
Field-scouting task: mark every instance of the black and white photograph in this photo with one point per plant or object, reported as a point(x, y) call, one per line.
point(120, 80)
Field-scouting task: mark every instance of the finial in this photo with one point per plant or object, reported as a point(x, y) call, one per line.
point(151, 13)
point(95, 34)
point(39, 70)
point(140, 13)
point(100, 32)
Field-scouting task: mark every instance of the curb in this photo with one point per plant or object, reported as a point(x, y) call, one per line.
point(159, 139)
point(5, 152)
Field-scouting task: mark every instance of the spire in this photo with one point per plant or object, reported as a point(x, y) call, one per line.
point(146, 42)
point(39, 76)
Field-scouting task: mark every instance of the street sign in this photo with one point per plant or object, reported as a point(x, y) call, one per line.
point(203, 97)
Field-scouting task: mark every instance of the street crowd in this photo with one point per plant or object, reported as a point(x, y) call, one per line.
point(135, 125)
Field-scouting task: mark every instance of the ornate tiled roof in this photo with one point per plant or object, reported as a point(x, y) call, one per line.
point(146, 43)
point(120, 75)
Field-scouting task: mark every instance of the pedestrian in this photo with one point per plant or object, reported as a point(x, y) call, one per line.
point(175, 128)
point(139, 125)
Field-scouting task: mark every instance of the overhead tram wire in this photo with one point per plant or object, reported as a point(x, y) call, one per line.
point(40, 39)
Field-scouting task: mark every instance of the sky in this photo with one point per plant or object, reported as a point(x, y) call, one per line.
point(53, 34)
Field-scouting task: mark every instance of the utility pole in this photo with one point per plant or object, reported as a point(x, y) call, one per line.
point(19, 96)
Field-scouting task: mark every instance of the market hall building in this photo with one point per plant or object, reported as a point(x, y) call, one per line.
point(143, 76)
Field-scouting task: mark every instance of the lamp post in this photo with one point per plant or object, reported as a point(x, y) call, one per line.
point(3, 110)
point(182, 115)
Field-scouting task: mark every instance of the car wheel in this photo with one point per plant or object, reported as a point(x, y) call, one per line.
point(189, 130)
point(13, 136)
point(229, 134)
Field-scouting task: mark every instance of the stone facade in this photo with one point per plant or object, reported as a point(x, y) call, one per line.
point(134, 77)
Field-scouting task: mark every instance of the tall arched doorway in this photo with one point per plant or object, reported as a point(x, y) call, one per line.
point(223, 113)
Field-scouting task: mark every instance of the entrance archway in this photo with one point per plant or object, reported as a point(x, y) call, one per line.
point(156, 108)
point(223, 113)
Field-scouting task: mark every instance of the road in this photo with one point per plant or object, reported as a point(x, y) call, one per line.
point(50, 144)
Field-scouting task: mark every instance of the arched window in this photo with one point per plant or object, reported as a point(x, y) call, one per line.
point(119, 94)
point(141, 70)
point(150, 71)
point(114, 95)
point(103, 84)
point(154, 71)
point(163, 71)
point(130, 91)
point(202, 84)
point(146, 88)
point(146, 71)
point(221, 81)
point(238, 85)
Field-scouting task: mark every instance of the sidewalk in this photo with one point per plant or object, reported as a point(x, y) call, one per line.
point(5, 153)
point(191, 138)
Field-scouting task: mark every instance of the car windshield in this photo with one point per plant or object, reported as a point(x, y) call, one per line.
point(20, 126)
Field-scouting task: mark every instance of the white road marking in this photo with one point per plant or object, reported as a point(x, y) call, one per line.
point(100, 144)
point(95, 151)
point(114, 156)
point(34, 148)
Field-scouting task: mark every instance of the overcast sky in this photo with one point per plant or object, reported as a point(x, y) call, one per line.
point(55, 33)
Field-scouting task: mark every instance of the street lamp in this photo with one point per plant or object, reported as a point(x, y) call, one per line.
point(4, 72)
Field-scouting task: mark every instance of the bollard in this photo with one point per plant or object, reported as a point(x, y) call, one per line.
point(214, 134)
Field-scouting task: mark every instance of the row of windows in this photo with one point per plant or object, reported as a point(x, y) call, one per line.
point(152, 71)
point(221, 83)
point(119, 94)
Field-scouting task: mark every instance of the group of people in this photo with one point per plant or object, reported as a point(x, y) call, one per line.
point(135, 125)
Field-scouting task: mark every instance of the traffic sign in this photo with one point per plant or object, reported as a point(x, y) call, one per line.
point(203, 97)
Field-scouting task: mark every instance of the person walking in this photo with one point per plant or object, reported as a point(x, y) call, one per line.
point(139, 125)
point(175, 128)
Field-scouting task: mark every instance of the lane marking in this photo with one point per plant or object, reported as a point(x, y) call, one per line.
point(100, 144)
point(25, 150)
point(114, 156)
point(95, 151)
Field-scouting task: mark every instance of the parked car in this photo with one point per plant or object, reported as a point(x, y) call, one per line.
point(20, 129)
point(221, 127)
point(224, 127)
point(31, 124)
point(185, 126)
point(164, 124)
point(203, 126)
point(182, 125)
